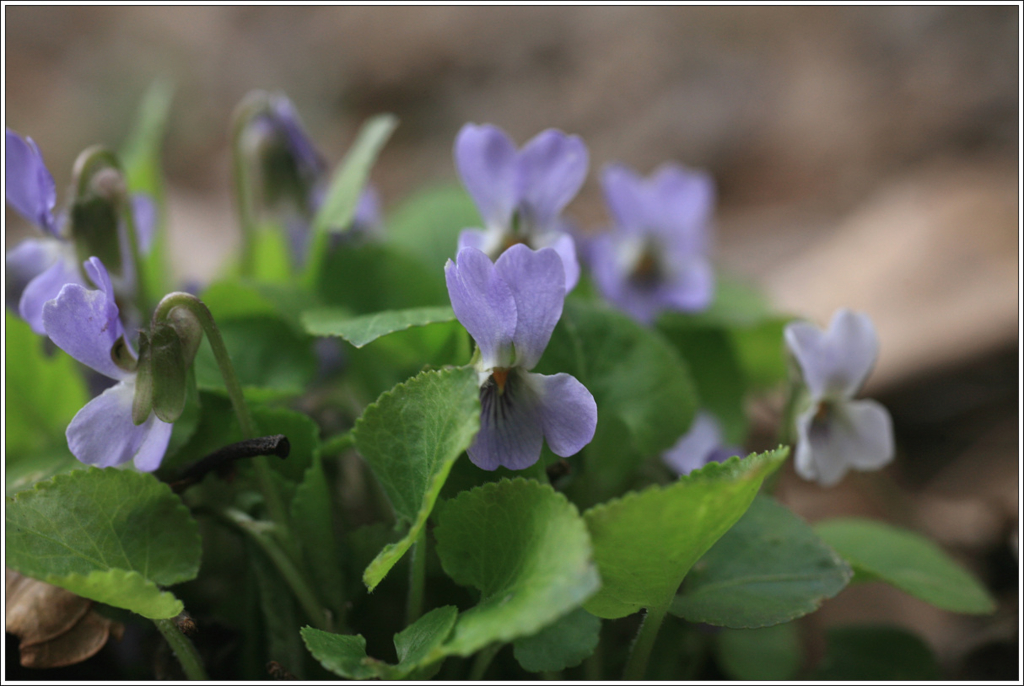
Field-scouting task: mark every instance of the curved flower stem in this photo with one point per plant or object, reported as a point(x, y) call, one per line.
point(417, 575)
point(483, 661)
point(636, 667)
point(183, 649)
point(275, 506)
point(291, 574)
point(251, 105)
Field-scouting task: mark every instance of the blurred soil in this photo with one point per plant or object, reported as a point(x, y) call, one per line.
point(865, 157)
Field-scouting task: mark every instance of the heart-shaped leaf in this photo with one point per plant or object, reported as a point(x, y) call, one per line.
point(410, 438)
point(769, 568)
point(525, 548)
point(646, 542)
point(107, 534)
point(367, 328)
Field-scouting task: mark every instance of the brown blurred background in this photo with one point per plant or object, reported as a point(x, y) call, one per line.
point(866, 157)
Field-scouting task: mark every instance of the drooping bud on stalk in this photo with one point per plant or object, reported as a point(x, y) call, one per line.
point(142, 402)
point(169, 371)
point(96, 208)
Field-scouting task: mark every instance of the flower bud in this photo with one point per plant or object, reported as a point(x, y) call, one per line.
point(96, 208)
point(189, 330)
point(169, 371)
point(142, 403)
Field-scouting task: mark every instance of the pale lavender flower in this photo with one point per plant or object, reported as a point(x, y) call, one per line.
point(510, 308)
point(86, 324)
point(702, 444)
point(835, 432)
point(656, 256)
point(38, 268)
point(521, 194)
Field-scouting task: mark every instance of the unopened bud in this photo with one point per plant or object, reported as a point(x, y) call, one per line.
point(170, 372)
point(96, 208)
point(142, 403)
point(189, 330)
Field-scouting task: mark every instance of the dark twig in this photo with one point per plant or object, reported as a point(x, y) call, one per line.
point(221, 460)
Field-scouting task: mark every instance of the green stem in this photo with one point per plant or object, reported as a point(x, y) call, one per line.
point(483, 661)
point(291, 574)
point(251, 105)
point(275, 506)
point(417, 575)
point(337, 444)
point(636, 668)
point(183, 649)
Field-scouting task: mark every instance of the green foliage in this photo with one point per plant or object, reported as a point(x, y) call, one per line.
point(769, 654)
point(875, 653)
point(566, 643)
point(312, 521)
point(268, 356)
point(428, 223)
point(525, 548)
point(769, 568)
point(645, 396)
point(416, 646)
point(646, 542)
point(410, 438)
point(371, 278)
point(49, 392)
point(141, 160)
point(908, 561)
point(365, 329)
point(339, 204)
point(107, 534)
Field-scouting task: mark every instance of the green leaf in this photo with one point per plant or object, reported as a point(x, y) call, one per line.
point(342, 654)
point(303, 436)
point(875, 653)
point(267, 354)
point(643, 390)
point(720, 380)
point(769, 654)
point(335, 214)
point(769, 568)
point(907, 561)
point(566, 643)
point(370, 278)
point(278, 611)
point(410, 438)
point(761, 353)
point(416, 646)
point(428, 223)
point(312, 522)
point(242, 298)
point(525, 548)
point(365, 329)
point(49, 391)
point(141, 161)
point(107, 534)
point(646, 542)
point(272, 262)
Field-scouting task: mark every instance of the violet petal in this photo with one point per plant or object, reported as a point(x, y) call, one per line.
point(29, 187)
point(835, 363)
point(484, 304)
point(537, 282)
point(568, 412)
point(46, 287)
point(26, 261)
point(102, 433)
point(486, 160)
point(85, 323)
point(565, 246)
point(851, 435)
point(511, 426)
point(551, 169)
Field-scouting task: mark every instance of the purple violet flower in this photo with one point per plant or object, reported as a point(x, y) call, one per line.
point(656, 258)
point(836, 432)
point(521, 194)
point(510, 308)
point(86, 325)
point(704, 443)
point(38, 268)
